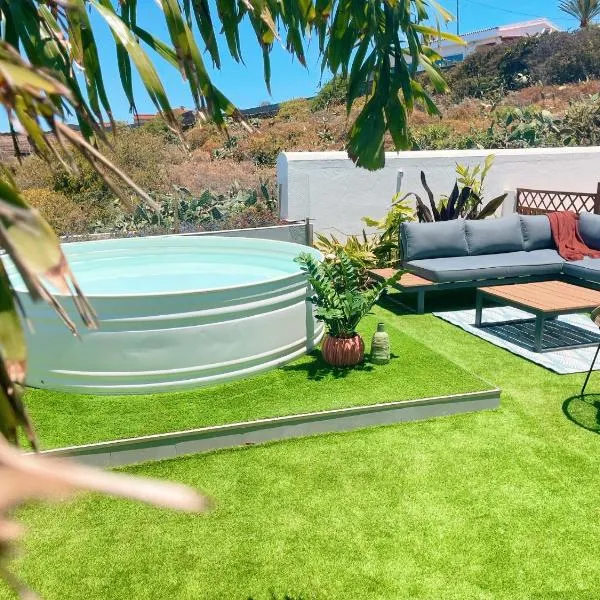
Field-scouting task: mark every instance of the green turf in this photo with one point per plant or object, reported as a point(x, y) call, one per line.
point(496, 505)
point(306, 385)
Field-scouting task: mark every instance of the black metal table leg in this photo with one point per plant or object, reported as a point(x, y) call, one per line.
point(478, 308)
point(539, 333)
point(589, 373)
point(421, 302)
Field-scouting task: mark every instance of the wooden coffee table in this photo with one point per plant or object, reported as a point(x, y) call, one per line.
point(546, 300)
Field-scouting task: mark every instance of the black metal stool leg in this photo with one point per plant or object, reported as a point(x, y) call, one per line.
point(587, 378)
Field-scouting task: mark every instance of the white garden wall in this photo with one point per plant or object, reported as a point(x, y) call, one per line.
point(335, 195)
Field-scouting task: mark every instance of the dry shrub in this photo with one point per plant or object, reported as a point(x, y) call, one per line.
point(459, 118)
point(264, 148)
point(466, 110)
point(258, 215)
point(298, 108)
point(461, 126)
point(146, 157)
point(419, 117)
point(555, 98)
point(64, 214)
point(334, 92)
point(320, 131)
point(200, 156)
point(205, 136)
point(295, 128)
point(219, 176)
point(33, 172)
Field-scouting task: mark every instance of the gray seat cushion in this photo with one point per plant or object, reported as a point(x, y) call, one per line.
point(433, 240)
point(492, 236)
point(589, 228)
point(537, 234)
point(489, 266)
point(588, 269)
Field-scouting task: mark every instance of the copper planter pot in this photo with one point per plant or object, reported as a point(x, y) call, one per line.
point(343, 352)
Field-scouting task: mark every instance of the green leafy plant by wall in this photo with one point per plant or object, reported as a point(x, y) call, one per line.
point(474, 177)
point(465, 201)
point(361, 250)
point(377, 250)
point(388, 249)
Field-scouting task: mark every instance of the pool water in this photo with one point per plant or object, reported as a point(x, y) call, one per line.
point(175, 271)
point(162, 264)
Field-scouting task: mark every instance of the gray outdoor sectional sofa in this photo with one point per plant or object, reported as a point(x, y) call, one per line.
point(494, 251)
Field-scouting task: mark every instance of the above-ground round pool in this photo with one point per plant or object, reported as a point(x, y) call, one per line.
point(176, 312)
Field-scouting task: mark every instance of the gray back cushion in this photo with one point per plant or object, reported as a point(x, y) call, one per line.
point(493, 236)
point(589, 229)
point(433, 240)
point(537, 234)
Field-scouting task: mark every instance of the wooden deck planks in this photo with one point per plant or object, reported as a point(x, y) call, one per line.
point(407, 280)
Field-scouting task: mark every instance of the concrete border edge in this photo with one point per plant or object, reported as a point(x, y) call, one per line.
point(170, 445)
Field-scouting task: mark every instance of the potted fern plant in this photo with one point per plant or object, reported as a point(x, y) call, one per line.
point(341, 300)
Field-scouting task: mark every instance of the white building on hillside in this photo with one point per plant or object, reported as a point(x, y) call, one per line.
point(452, 52)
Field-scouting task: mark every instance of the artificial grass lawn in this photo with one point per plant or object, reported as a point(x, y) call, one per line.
point(306, 385)
point(498, 505)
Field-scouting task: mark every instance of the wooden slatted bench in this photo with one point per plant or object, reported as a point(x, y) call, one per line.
point(409, 282)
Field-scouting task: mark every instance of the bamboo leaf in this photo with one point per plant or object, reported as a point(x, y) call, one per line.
point(439, 34)
point(445, 14)
point(12, 340)
point(18, 76)
point(81, 28)
point(439, 83)
point(36, 253)
point(157, 45)
point(201, 10)
point(145, 68)
point(230, 16)
point(365, 141)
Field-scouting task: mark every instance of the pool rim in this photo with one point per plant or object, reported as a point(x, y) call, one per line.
point(22, 289)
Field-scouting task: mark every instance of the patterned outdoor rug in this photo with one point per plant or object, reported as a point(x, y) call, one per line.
point(518, 337)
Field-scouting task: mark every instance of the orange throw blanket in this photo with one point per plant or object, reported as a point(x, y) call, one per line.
point(567, 238)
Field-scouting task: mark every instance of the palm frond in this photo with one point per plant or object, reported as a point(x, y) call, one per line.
point(585, 11)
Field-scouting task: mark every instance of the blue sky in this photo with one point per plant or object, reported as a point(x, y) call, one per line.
point(244, 84)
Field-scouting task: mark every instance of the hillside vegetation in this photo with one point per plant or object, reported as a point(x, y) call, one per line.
point(541, 91)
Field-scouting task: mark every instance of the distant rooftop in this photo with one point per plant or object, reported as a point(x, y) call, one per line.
point(453, 52)
point(516, 28)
